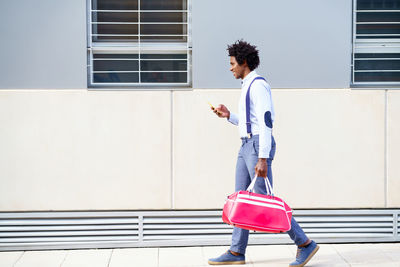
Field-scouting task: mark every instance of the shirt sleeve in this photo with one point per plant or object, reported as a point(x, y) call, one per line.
point(233, 118)
point(261, 99)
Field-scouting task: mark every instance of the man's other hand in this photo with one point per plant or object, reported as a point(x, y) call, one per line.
point(261, 168)
point(222, 111)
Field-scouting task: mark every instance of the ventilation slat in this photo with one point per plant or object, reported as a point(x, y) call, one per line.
point(187, 226)
point(68, 221)
point(60, 215)
point(349, 230)
point(67, 233)
point(344, 219)
point(356, 212)
point(351, 235)
point(357, 224)
point(69, 227)
point(191, 231)
point(337, 235)
point(168, 220)
point(68, 239)
point(183, 237)
point(333, 236)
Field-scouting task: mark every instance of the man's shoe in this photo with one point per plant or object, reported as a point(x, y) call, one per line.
point(304, 254)
point(227, 258)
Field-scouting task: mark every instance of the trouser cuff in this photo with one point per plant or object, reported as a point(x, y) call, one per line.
point(301, 241)
point(238, 249)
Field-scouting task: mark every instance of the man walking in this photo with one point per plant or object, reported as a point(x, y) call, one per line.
point(255, 121)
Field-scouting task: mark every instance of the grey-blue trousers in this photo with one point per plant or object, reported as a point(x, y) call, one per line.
point(246, 162)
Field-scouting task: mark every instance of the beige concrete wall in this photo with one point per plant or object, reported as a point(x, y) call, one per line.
point(330, 148)
point(393, 148)
point(81, 150)
point(93, 150)
point(204, 149)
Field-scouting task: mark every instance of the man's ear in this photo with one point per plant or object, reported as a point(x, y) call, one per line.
point(245, 64)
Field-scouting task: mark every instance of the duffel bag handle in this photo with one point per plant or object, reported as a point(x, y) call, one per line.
point(267, 185)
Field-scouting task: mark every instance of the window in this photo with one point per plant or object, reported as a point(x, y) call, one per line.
point(138, 43)
point(376, 43)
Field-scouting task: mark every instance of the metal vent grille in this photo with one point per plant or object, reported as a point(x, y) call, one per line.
point(112, 229)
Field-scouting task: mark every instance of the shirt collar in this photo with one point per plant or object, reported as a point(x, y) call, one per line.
point(249, 77)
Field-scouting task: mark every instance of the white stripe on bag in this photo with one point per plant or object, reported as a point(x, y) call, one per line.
point(261, 199)
point(260, 204)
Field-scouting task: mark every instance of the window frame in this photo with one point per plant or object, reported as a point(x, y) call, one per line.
point(140, 47)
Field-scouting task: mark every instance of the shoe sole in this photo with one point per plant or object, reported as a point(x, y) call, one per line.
point(308, 258)
point(226, 262)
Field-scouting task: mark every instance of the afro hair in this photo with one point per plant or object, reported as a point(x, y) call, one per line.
point(244, 52)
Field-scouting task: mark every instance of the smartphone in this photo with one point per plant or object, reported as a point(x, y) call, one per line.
point(212, 107)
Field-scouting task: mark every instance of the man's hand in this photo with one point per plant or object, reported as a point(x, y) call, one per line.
point(261, 168)
point(221, 111)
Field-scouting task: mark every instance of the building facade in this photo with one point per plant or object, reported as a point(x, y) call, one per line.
point(104, 103)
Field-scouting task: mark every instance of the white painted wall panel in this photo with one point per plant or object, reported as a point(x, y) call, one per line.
point(330, 148)
point(205, 149)
point(80, 150)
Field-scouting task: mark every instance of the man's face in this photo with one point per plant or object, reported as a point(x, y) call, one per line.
point(237, 70)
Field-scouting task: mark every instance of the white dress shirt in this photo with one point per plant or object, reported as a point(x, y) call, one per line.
point(260, 103)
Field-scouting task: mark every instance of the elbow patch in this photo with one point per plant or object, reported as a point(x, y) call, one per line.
point(268, 119)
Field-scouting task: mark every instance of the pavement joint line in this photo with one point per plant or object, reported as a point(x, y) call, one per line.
point(65, 257)
point(158, 257)
point(109, 260)
point(203, 256)
point(341, 255)
point(22, 254)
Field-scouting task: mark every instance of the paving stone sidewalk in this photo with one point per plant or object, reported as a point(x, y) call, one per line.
point(379, 255)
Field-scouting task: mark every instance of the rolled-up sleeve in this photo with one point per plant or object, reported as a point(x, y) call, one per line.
point(261, 97)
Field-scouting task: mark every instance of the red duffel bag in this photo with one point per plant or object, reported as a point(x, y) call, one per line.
point(257, 212)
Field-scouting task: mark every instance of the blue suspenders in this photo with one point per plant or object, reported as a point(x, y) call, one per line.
point(248, 124)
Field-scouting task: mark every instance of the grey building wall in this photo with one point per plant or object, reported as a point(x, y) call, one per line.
point(303, 44)
point(43, 44)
